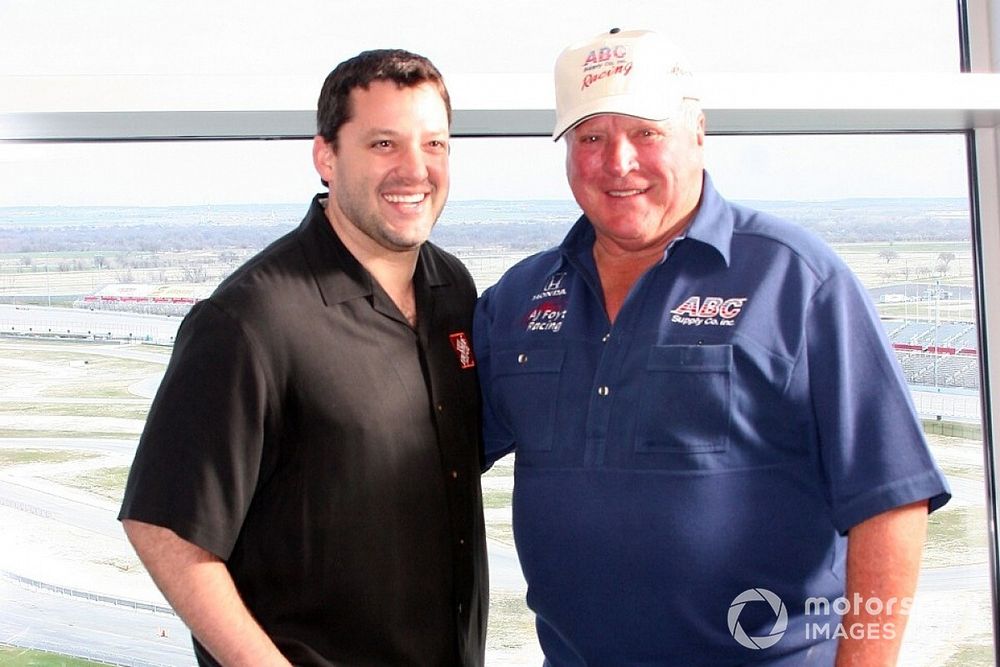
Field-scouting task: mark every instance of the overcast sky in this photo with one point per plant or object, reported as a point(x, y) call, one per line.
point(212, 45)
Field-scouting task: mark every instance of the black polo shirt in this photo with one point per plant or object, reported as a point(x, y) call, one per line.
point(329, 454)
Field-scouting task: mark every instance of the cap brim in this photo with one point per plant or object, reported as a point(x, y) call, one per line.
point(612, 105)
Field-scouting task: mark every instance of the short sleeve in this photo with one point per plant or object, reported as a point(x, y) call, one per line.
point(198, 460)
point(498, 440)
point(872, 446)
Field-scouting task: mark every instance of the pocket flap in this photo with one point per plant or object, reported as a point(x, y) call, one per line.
point(691, 358)
point(511, 362)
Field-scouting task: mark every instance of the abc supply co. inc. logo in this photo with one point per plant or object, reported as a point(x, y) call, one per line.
point(780, 618)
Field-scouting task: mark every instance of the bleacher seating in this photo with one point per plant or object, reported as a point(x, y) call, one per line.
point(915, 333)
point(916, 342)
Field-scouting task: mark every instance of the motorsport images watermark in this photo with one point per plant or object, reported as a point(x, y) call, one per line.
point(817, 608)
point(780, 618)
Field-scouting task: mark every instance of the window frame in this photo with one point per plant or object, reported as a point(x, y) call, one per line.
point(741, 104)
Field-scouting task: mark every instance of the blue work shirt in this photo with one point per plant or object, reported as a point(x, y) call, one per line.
point(744, 411)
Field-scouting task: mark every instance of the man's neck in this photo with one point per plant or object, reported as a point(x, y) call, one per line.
point(618, 272)
point(620, 266)
point(393, 270)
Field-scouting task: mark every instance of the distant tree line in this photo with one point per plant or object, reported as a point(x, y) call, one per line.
point(136, 238)
point(860, 230)
point(840, 226)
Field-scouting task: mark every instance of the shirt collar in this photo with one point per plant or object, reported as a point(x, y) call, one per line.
point(339, 275)
point(712, 225)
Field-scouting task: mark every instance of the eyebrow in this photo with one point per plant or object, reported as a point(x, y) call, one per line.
point(388, 132)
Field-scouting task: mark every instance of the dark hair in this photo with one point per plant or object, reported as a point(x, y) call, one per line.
point(402, 67)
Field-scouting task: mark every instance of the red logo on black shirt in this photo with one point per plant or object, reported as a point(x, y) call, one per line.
point(460, 342)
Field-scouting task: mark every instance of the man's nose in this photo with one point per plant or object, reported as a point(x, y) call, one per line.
point(413, 164)
point(621, 157)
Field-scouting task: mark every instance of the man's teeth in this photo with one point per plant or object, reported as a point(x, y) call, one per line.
point(625, 193)
point(405, 199)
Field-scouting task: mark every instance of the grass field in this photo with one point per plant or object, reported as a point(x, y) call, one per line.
point(108, 482)
point(11, 656)
point(55, 409)
point(53, 371)
point(956, 537)
point(973, 654)
point(16, 457)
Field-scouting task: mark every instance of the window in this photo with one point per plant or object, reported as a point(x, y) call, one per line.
point(96, 245)
point(103, 245)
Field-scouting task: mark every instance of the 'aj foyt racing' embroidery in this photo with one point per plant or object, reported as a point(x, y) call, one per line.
point(550, 314)
point(547, 316)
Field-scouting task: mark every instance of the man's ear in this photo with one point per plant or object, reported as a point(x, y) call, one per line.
point(324, 158)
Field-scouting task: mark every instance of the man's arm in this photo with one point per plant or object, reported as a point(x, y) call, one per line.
point(883, 562)
point(198, 586)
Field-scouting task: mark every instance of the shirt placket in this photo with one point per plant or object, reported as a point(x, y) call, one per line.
point(603, 394)
point(616, 342)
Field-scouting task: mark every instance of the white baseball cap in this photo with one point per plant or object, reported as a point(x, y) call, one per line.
point(635, 73)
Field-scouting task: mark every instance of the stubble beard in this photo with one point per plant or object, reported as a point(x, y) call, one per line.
point(373, 225)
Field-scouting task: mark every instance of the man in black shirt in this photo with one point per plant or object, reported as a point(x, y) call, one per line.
point(306, 489)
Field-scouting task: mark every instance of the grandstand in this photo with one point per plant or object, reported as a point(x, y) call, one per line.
point(940, 354)
point(146, 299)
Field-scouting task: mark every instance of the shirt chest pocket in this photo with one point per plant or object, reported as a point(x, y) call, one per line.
point(684, 407)
point(526, 386)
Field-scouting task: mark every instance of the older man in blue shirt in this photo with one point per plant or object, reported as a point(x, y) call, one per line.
point(718, 461)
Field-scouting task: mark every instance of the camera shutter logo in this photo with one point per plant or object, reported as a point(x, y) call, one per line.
point(780, 618)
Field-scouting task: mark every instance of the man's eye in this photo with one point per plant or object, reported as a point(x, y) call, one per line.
point(382, 143)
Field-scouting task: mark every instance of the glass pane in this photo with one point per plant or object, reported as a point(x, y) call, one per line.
point(103, 246)
point(229, 39)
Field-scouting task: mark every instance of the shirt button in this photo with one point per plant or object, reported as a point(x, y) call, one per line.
point(461, 542)
point(460, 608)
point(606, 338)
point(440, 407)
point(603, 390)
point(522, 358)
point(454, 474)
